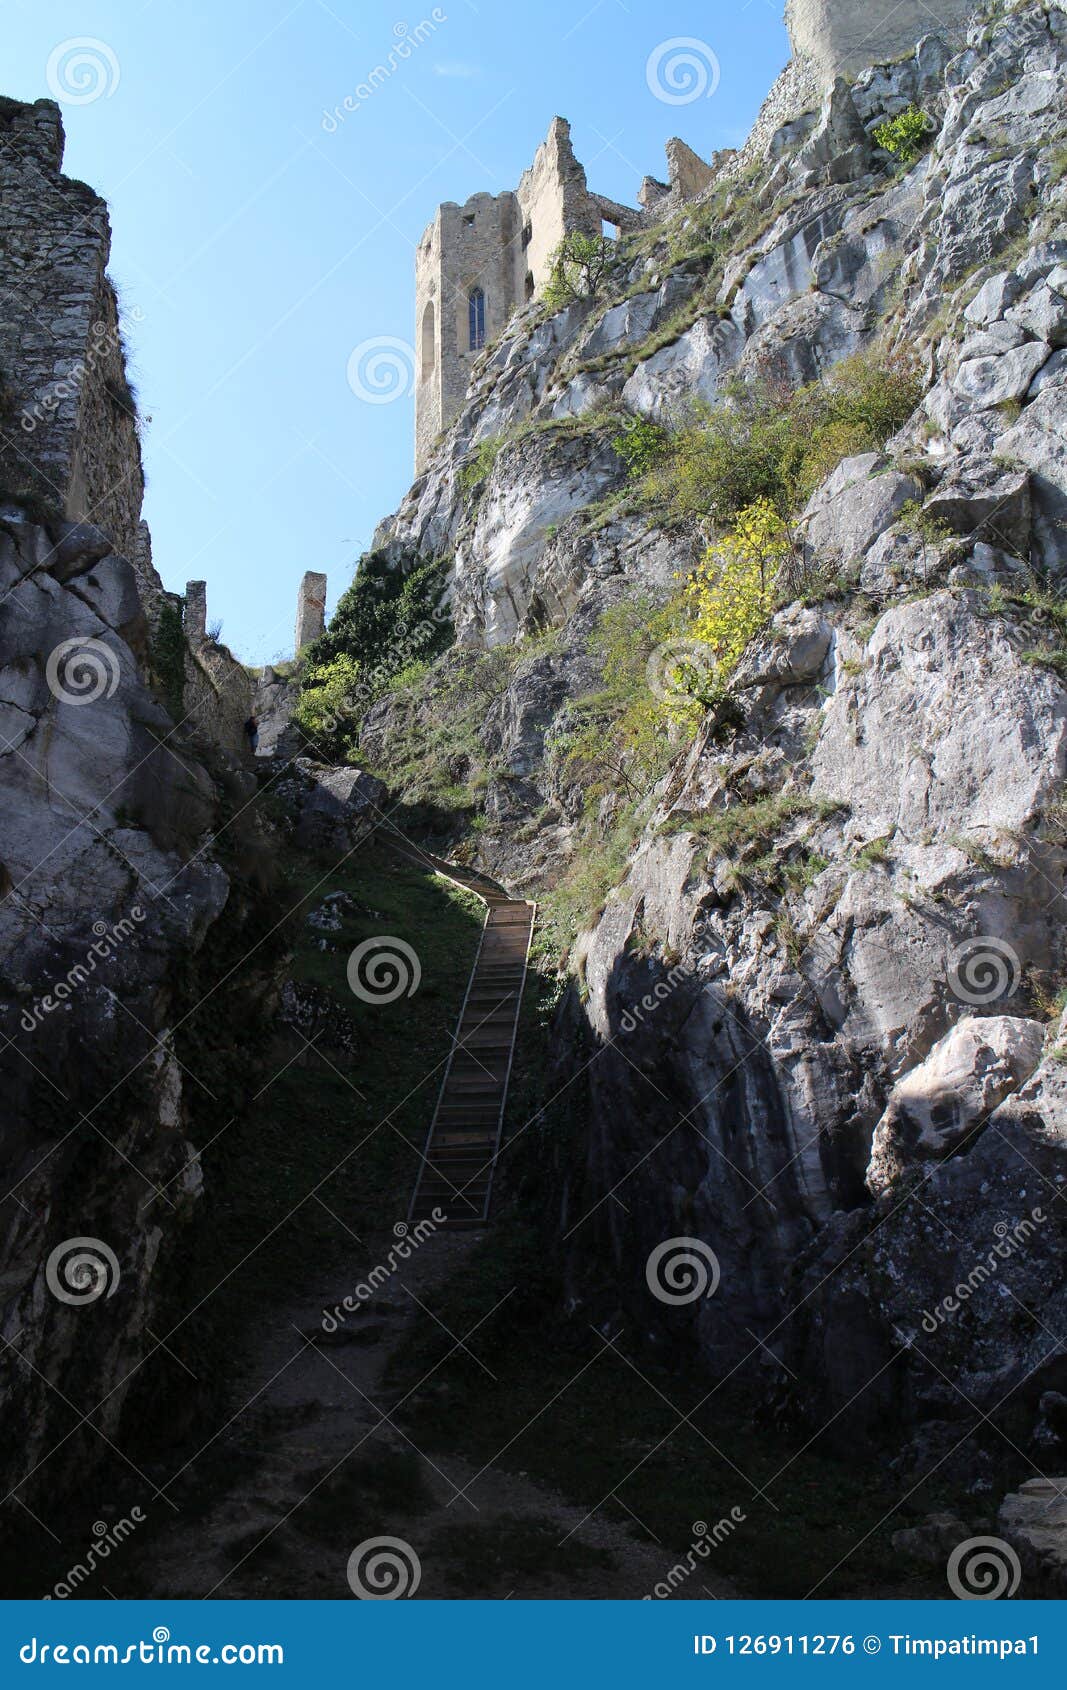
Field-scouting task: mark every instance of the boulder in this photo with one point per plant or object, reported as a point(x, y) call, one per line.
point(983, 382)
point(994, 297)
point(1033, 1520)
point(991, 341)
point(1043, 314)
point(334, 809)
point(941, 1103)
point(984, 501)
point(792, 652)
point(858, 502)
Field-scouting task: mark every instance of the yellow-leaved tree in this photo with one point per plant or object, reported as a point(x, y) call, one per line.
point(732, 594)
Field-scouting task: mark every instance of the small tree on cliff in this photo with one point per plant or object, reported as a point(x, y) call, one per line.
point(579, 265)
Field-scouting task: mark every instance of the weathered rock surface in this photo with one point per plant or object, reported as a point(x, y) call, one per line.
point(1034, 1521)
point(107, 882)
point(936, 1108)
point(333, 809)
point(776, 1043)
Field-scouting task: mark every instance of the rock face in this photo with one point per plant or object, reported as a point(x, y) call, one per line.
point(108, 881)
point(776, 1045)
point(933, 1110)
point(333, 809)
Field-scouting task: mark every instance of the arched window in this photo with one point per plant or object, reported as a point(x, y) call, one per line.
point(429, 350)
point(476, 318)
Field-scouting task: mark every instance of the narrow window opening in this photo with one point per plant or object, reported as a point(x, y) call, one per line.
point(476, 319)
point(429, 349)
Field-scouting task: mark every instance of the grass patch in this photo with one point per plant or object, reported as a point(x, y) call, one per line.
point(310, 1147)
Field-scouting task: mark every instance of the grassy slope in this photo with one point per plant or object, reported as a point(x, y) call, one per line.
point(346, 1126)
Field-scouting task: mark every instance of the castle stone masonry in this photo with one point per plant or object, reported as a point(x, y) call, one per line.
point(478, 262)
point(310, 610)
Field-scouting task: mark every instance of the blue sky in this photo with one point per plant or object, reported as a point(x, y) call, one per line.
point(257, 245)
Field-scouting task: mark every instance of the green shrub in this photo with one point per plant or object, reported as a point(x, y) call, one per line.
point(641, 444)
point(390, 621)
point(167, 658)
point(907, 135)
point(478, 465)
point(772, 442)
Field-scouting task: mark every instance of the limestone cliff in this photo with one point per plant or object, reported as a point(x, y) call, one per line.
point(111, 878)
point(815, 1027)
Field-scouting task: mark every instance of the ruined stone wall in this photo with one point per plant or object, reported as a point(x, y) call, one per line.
point(310, 610)
point(554, 199)
point(504, 245)
point(217, 689)
point(68, 429)
point(842, 37)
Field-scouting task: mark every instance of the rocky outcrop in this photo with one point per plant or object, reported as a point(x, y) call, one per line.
point(1034, 1521)
point(109, 886)
point(827, 977)
point(332, 810)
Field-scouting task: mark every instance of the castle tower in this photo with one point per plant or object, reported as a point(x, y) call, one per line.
point(477, 262)
point(842, 37)
point(468, 280)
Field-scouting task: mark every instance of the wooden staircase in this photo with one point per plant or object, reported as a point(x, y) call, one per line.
point(456, 1172)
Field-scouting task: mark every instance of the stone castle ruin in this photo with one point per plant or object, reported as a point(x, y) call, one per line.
point(68, 418)
point(477, 263)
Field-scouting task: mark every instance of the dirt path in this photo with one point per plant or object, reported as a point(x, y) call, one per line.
point(323, 1468)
